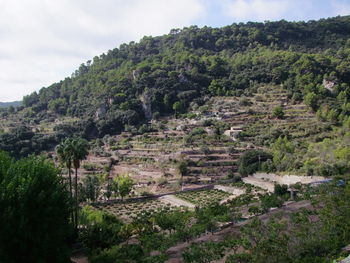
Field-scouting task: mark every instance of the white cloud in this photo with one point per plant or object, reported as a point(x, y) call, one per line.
point(292, 10)
point(43, 41)
point(341, 8)
point(256, 10)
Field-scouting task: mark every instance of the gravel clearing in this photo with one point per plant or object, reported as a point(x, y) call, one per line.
point(268, 181)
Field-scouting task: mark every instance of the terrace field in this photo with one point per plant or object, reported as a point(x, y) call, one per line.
point(152, 158)
point(204, 198)
point(132, 209)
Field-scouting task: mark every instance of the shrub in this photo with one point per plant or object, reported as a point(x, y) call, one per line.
point(244, 102)
point(281, 190)
point(89, 166)
point(204, 252)
point(255, 210)
point(119, 253)
point(270, 201)
point(311, 100)
point(205, 149)
point(251, 160)
point(232, 150)
point(278, 112)
point(162, 181)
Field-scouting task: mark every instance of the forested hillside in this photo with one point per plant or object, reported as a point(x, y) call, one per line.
point(179, 71)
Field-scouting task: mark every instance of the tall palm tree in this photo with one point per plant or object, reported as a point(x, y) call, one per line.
point(63, 151)
point(79, 151)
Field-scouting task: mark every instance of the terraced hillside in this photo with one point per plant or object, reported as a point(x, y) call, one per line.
point(209, 140)
point(209, 143)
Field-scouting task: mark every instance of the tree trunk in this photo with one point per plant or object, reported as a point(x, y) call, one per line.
point(70, 192)
point(182, 181)
point(76, 200)
point(70, 182)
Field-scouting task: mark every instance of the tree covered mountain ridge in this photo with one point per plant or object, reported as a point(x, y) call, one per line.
point(177, 72)
point(9, 104)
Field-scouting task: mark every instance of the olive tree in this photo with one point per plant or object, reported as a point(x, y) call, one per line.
point(122, 185)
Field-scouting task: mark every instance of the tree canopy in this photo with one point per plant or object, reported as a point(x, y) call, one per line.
point(34, 211)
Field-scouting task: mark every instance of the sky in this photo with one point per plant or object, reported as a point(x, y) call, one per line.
point(44, 41)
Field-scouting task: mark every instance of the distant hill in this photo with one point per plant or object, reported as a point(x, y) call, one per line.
point(8, 104)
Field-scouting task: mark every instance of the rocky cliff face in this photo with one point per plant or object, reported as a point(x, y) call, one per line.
point(101, 111)
point(328, 84)
point(146, 104)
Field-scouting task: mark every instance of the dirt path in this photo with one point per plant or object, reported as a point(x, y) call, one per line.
point(175, 253)
point(230, 189)
point(173, 200)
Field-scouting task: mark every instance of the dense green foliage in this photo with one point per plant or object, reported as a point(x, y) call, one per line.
point(122, 185)
point(204, 253)
point(108, 239)
point(308, 235)
point(101, 229)
point(34, 212)
point(90, 188)
point(22, 141)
